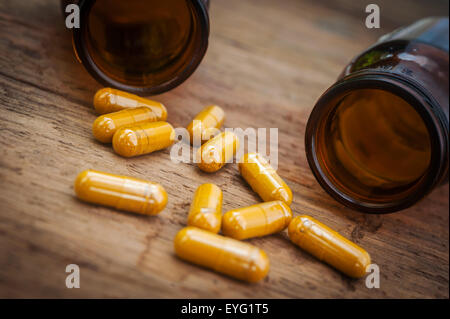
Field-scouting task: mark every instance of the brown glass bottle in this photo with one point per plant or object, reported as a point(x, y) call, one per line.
point(140, 46)
point(377, 140)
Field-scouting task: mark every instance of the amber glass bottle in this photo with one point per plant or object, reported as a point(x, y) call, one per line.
point(377, 140)
point(141, 46)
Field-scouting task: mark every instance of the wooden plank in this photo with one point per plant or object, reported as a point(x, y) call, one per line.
point(267, 64)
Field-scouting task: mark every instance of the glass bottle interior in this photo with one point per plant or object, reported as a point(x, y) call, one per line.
point(141, 43)
point(374, 146)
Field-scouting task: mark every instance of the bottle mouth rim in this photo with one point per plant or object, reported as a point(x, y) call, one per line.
point(83, 54)
point(427, 108)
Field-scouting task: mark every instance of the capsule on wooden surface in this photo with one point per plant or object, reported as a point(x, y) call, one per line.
point(121, 192)
point(106, 125)
point(263, 179)
point(109, 100)
point(257, 220)
point(206, 208)
point(224, 255)
point(205, 123)
point(215, 153)
point(329, 246)
point(142, 139)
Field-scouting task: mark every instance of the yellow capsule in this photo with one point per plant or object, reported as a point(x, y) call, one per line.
point(106, 125)
point(206, 208)
point(224, 255)
point(205, 123)
point(329, 246)
point(142, 139)
point(263, 179)
point(257, 220)
point(121, 192)
point(215, 153)
point(109, 100)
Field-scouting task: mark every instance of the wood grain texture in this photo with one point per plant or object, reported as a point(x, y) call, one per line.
point(267, 63)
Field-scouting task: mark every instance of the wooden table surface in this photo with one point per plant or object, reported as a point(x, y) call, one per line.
point(267, 64)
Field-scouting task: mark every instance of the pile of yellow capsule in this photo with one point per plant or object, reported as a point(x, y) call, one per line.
point(137, 126)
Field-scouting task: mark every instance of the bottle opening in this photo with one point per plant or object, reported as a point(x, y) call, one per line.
point(144, 44)
point(374, 146)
